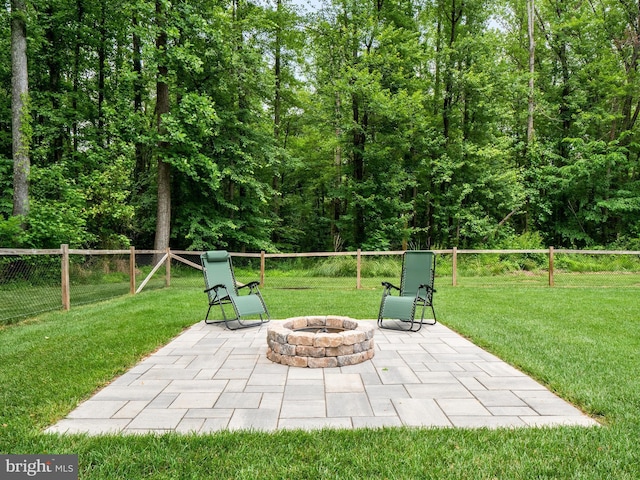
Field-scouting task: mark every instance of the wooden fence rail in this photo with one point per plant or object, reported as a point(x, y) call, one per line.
point(166, 256)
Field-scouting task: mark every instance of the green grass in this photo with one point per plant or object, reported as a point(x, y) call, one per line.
point(583, 343)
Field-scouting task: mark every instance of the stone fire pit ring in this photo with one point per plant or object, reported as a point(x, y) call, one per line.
point(320, 341)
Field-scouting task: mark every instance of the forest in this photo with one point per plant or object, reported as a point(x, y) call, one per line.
point(279, 126)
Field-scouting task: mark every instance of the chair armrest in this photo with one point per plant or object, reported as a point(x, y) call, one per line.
point(253, 288)
point(215, 287)
point(388, 287)
point(427, 287)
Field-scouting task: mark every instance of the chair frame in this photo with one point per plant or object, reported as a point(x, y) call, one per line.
point(220, 295)
point(422, 299)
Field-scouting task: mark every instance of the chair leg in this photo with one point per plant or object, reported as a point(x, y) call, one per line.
point(413, 323)
point(211, 322)
point(422, 322)
point(224, 316)
point(241, 325)
point(381, 319)
point(206, 318)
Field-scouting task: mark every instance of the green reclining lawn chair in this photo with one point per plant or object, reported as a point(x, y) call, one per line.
point(222, 289)
point(416, 291)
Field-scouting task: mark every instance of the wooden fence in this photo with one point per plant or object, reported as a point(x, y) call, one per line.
point(164, 258)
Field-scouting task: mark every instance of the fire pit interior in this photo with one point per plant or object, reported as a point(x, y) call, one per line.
point(318, 342)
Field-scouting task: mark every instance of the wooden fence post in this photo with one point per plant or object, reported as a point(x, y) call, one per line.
point(551, 281)
point(167, 270)
point(262, 263)
point(132, 270)
point(64, 281)
point(454, 267)
point(359, 269)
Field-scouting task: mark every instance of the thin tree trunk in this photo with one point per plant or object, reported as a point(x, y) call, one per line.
point(565, 102)
point(76, 74)
point(359, 144)
point(19, 108)
point(449, 90)
point(277, 108)
point(53, 63)
point(277, 101)
point(163, 218)
point(630, 115)
point(436, 86)
point(101, 73)
point(337, 161)
point(142, 151)
point(532, 46)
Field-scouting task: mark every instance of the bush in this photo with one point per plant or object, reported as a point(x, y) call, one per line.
point(371, 267)
point(579, 263)
point(12, 234)
point(335, 267)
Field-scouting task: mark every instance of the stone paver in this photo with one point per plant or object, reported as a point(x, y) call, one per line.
point(210, 379)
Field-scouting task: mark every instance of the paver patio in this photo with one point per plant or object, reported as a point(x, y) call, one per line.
point(210, 379)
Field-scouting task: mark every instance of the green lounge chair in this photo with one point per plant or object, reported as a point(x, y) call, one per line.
point(416, 291)
point(222, 289)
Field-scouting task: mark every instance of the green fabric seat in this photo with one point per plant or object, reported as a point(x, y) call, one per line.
point(223, 290)
point(415, 292)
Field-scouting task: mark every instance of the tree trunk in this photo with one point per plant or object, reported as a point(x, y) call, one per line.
point(142, 151)
point(163, 218)
point(19, 108)
point(359, 143)
point(101, 73)
point(277, 67)
point(336, 203)
point(630, 113)
point(454, 17)
point(532, 46)
point(277, 108)
point(438, 66)
point(55, 75)
point(565, 101)
point(76, 74)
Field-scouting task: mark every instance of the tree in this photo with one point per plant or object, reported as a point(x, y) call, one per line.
point(20, 108)
point(467, 174)
point(163, 216)
point(403, 123)
point(365, 55)
point(285, 43)
point(532, 58)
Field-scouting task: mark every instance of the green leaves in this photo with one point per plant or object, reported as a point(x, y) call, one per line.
point(362, 124)
point(189, 127)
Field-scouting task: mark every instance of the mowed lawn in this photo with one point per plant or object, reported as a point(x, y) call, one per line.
point(582, 343)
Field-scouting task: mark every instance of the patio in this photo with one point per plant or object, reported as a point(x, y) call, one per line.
point(209, 379)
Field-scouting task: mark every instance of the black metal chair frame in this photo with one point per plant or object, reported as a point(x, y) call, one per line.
point(422, 299)
point(221, 296)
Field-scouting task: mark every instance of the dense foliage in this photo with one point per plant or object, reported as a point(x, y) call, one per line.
point(357, 124)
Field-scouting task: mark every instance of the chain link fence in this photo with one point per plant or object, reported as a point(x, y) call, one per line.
point(337, 272)
point(94, 278)
point(29, 285)
point(543, 268)
point(595, 269)
point(31, 282)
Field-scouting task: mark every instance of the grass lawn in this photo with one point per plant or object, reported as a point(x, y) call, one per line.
point(583, 343)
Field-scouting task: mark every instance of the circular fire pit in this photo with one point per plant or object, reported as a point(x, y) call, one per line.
point(318, 342)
